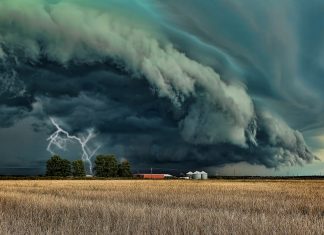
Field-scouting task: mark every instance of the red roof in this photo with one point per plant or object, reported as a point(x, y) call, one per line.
point(150, 176)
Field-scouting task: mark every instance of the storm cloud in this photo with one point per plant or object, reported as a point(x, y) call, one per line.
point(125, 69)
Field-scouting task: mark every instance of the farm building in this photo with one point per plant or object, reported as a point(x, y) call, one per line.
point(197, 175)
point(204, 175)
point(150, 176)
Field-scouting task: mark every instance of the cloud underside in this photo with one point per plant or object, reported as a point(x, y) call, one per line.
point(93, 67)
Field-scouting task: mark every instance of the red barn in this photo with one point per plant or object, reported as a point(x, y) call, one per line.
point(150, 176)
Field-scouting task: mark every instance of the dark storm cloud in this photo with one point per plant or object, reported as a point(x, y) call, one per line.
point(140, 84)
point(277, 46)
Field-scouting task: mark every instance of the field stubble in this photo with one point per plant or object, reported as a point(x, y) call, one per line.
point(161, 207)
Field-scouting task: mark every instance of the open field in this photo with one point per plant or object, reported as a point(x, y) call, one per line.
point(161, 207)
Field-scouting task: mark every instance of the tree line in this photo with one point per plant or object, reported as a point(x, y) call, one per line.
point(105, 166)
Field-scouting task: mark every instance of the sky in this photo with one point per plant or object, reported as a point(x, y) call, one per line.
point(218, 85)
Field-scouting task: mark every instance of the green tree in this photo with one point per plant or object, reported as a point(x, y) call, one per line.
point(124, 169)
point(56, 166)
point(78, 169)
point(106, 166)
point(66, 168)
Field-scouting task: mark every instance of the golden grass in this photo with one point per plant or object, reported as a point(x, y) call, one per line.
point(161, 207)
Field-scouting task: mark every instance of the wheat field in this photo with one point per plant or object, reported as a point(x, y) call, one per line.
point(161, 207)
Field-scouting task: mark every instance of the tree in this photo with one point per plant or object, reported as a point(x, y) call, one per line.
point(66, 168)
point(106, 166)
point(78, 169)
point(56, 166)
point(124, 169)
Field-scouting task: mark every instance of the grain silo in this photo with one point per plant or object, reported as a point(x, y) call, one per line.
point(204, 175)
point(189, 174)
point(196, 175)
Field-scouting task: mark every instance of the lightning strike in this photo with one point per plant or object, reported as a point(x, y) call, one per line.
point(60, 138)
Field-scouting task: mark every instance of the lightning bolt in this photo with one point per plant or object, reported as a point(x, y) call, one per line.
point(60, 138)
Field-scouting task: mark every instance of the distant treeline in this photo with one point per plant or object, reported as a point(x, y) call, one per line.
point(247, 178)
point(105, 166)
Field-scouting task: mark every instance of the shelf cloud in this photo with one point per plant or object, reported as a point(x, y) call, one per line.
point(157, 89)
